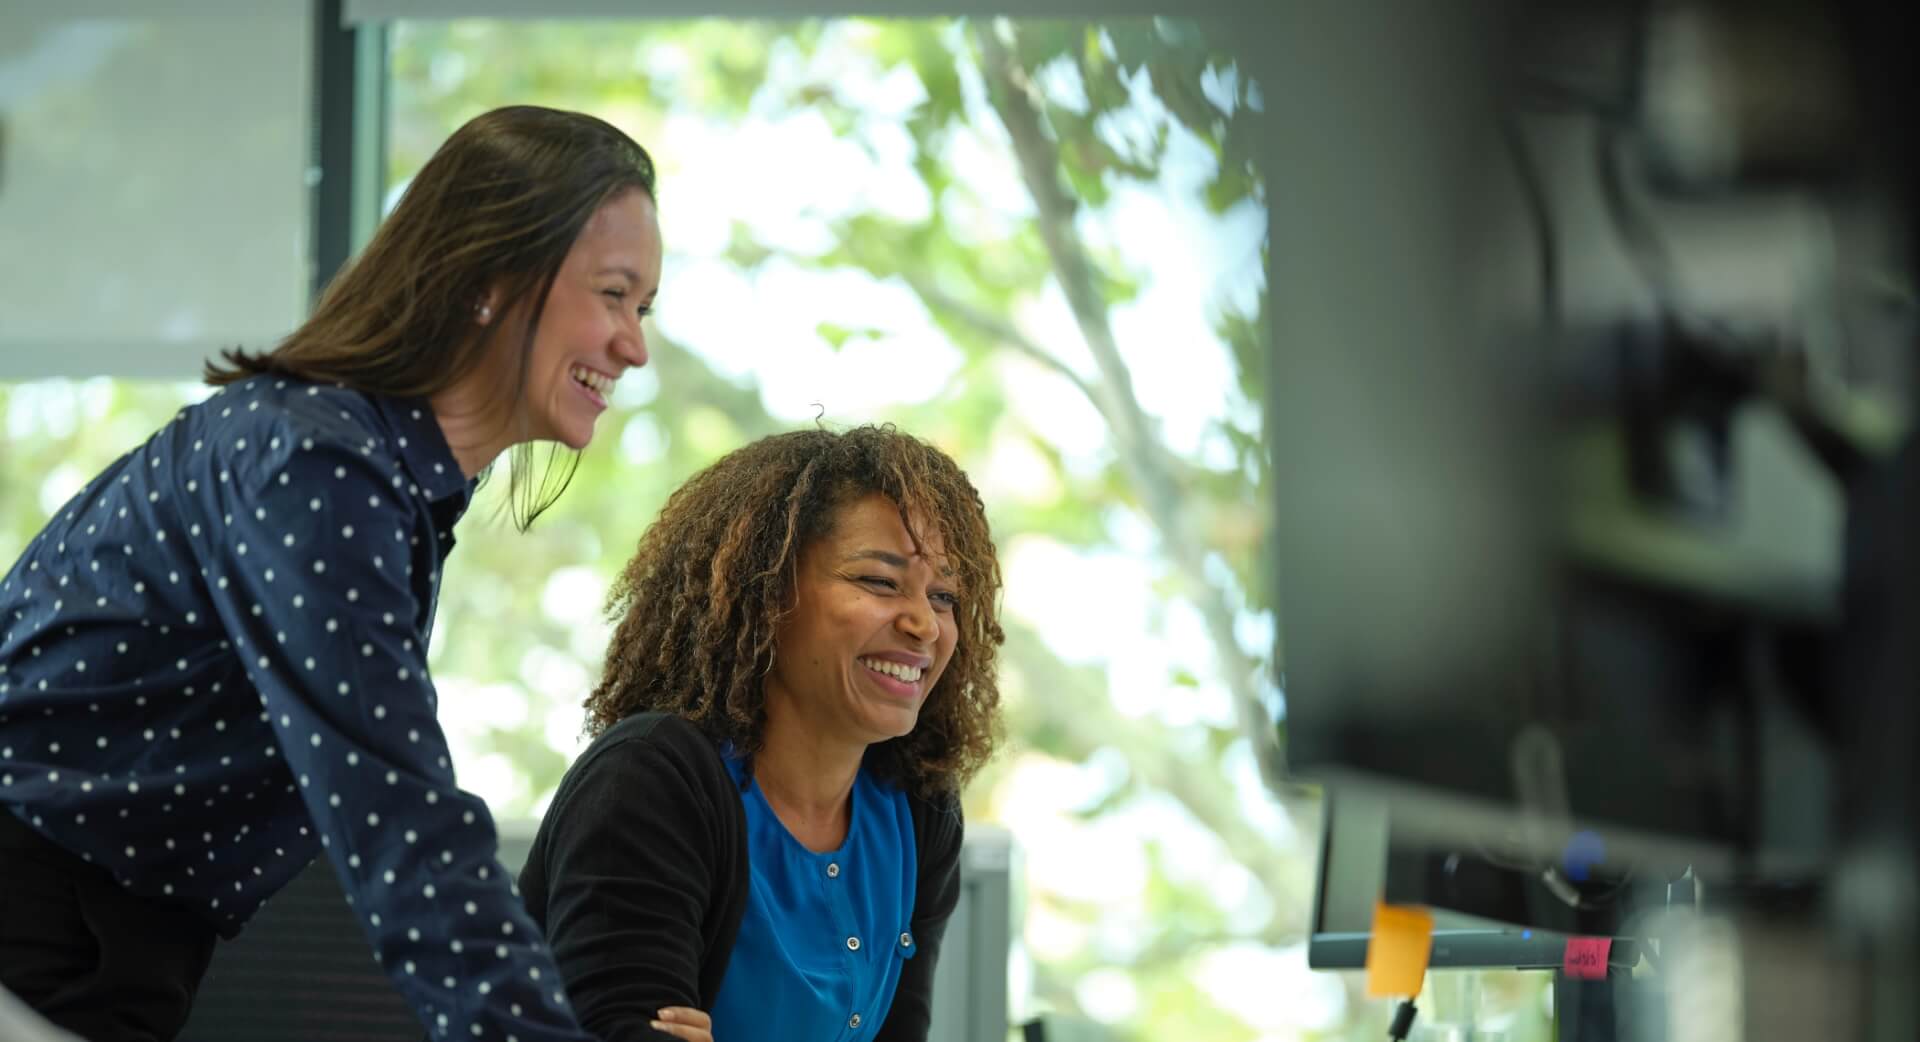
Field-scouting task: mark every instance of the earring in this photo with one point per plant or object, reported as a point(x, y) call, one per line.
point(484, 312)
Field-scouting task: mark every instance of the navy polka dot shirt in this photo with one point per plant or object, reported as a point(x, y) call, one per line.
point(213, 667)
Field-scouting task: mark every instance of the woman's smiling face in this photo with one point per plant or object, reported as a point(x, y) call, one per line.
point(589, 331)
point(872, 626)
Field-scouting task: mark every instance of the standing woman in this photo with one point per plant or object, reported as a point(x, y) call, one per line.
point(213, 659)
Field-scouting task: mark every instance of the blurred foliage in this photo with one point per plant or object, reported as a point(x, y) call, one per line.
point(973, 277)
point(57, 435)
point(1071, 112)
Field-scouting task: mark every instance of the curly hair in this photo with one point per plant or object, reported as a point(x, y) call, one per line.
point(695, 610)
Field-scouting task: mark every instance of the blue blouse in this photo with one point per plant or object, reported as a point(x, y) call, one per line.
point(824, 935)
point(213, 667)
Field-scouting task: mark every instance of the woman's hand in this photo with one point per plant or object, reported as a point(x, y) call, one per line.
point(685, 1022)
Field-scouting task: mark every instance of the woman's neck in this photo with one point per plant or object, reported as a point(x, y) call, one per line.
point(469, 420)
point(807, 782)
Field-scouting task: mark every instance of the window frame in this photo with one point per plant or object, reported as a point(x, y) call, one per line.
point(350, 103)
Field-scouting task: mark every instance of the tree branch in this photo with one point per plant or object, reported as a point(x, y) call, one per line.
point(1083, 721)
point(1147, 460)
point(999, 329)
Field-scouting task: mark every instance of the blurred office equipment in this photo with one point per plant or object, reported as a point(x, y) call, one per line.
point(1362, 862)
point(970, 984)
point(1594, 370)
point(303, 969)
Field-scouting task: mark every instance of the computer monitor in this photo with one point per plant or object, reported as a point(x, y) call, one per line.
point(1556, 569)
point(1361, 863)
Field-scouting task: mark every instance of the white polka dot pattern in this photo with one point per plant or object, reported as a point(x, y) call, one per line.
point(229, 708)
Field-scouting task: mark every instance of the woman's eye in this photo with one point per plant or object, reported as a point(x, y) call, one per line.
point(880, 581)
point(946, 600)
point(619, 296)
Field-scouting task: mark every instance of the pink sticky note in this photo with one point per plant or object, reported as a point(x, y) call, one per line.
point(1587, 957)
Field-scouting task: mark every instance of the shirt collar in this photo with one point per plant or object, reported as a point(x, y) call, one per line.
point(423, 447)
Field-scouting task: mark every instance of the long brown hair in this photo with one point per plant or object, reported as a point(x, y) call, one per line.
point(498, 205)
point(697, 607)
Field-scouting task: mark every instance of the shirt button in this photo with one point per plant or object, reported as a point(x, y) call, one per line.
point(833, 870)
point(853, 944)
point(906, 940)
point(853, 1021)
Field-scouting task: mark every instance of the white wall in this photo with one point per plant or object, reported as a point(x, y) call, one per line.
point(153, 192)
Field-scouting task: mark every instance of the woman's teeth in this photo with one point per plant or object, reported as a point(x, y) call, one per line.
point(595, 382)
point(910, 674)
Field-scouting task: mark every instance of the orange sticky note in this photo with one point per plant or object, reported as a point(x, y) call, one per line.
point(1397, 951)
point(1586, 957)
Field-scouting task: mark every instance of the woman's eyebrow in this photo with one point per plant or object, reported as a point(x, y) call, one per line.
point(889, 557)
point(883, 556)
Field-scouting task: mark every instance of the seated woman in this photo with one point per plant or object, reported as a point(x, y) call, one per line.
point(766, 826)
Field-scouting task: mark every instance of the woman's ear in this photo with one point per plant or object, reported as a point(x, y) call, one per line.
point(487, 307)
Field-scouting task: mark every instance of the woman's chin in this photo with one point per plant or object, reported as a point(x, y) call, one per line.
point(897, 723)
point(575, 434)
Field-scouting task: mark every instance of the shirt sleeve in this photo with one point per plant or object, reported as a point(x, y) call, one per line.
point(936, 894)
point(311, 578)
point(638, 849)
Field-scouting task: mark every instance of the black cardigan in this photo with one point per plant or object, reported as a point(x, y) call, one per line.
point(639, 877)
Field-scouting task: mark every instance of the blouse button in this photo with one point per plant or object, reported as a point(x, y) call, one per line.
point(853, 1021)
point(853, 944)
point(833, 870)
point(906, 940)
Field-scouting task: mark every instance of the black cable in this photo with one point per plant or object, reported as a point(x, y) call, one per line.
point(1402, 1021)
point(1539, 92)
point(1645, 247)
point(1613, 117)
point(1618, 103)
point(1533, 188)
